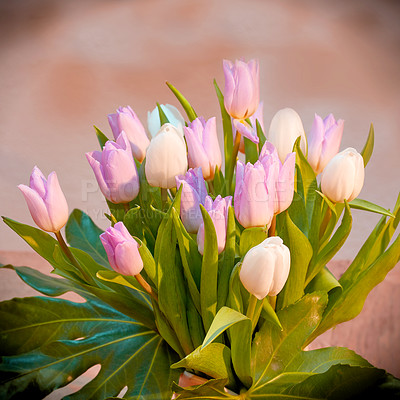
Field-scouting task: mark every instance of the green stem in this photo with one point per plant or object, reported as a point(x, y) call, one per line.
point(325, 222)
point(233, 160)
point(211, 186)
point(251, 307)
point(146, 286)
point(272, 228)
point(126, 207)
point(164, 197)
point(70, 256)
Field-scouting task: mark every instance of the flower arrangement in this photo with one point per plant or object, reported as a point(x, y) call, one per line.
point(206, 285)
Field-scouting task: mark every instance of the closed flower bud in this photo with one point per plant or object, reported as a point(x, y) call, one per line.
point(122, 250)
point(343, 177)
point(324, 141)
point(46, 201)
point(242, 88)
point(115, 170)
point(218, 211)
point(166, 158)
point(285, 128)
point(265, 268)
point(203, 147)
point(173, 115)
point(193, 194)
point(127, 121)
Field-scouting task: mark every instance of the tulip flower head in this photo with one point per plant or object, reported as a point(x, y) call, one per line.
point(203, 147)
point(115, 170)
point(343, 177)
point(242, 88)
point(265, 268)
point(218, 211)
point(174, 117)
point(166, 158)
point(284, 173)
point(122, 250)
point(46, 201)
point(285, 128)
point(324, 141)
point(127, 121)
point(255, 194)
point(193, 194)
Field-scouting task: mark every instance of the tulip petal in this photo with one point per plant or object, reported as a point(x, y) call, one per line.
point(196, 154)
point(56, 203)
point(128, 258)
point(92, 157)
point(38, 182)
point(109, 249)
point(211, 145)
point(246, 130)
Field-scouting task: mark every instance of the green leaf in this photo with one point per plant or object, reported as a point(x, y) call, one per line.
point(368, 206)
point(50, 342)
point(82, 233)
point(366, 152)
point(251, 150)
point(251, 237)
point(324, 281)
point(227, 126)
point(260, 135)
point(185, 104)
point(163, 117)
point(269, 315)
point(209, 271)
point(213, 389)
point(213, 360)
point(235, 300)
point(273, 349)
point(297, 213)
point(123, 280)
point(300, 256)
point(149, 265)
point(101, 137)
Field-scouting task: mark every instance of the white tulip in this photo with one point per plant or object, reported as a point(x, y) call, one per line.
point(265, 268)
point(285, 128)
point(343, 177)
point(166, 158)
point(174, 117)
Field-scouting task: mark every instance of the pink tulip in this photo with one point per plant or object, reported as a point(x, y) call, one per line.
point(194, 193)
point(324, 141)
point(203, 147)
point(122, 250)
point(242, 88)
point(115, 170)
point(218, 211)
point(255, 194)
point(126, 120)
point(46, 201)
point(284, 185)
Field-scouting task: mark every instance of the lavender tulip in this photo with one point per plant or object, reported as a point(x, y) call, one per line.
point(203, 147)
point(242, 88)
point(284, 184)
point(343, 177)
point(115, 170)
point(324, 141)
point(218, 211)
point(254, 194)
point(265, 268)
point(126, 120)
point(193, 194)
point(122, 250)
point(174, 117)
point(46, 201)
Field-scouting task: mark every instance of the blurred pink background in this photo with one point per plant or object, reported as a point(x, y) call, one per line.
point(66, 64)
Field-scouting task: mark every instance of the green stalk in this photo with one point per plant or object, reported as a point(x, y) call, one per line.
point(233, 161)
point(251, 307)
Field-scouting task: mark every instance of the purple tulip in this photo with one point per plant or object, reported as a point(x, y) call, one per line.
point(218, 211)
point(203, 147)
point(126, 120)
point(254, 194)
point(46, 201)
point(122, 250)
point(324, 141)
point(115, 170)
point(284, 184)
point(194, 193)
point(242, 88)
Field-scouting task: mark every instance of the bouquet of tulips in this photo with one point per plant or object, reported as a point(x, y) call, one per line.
point(207, 284)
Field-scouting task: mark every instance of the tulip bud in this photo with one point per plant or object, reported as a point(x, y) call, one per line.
point(115, 170)
point(285, 128)
point(126, 120)
point(46, 201)
point(203, 147)
point(343, 177)
point(122, 250)
point(242, 88)
point(284, 184)
point(254, 194)
point(193, 194)
point(265, 268)
point(218, 211)
point(166, 157)
point(324, 141)
point(174, 117)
